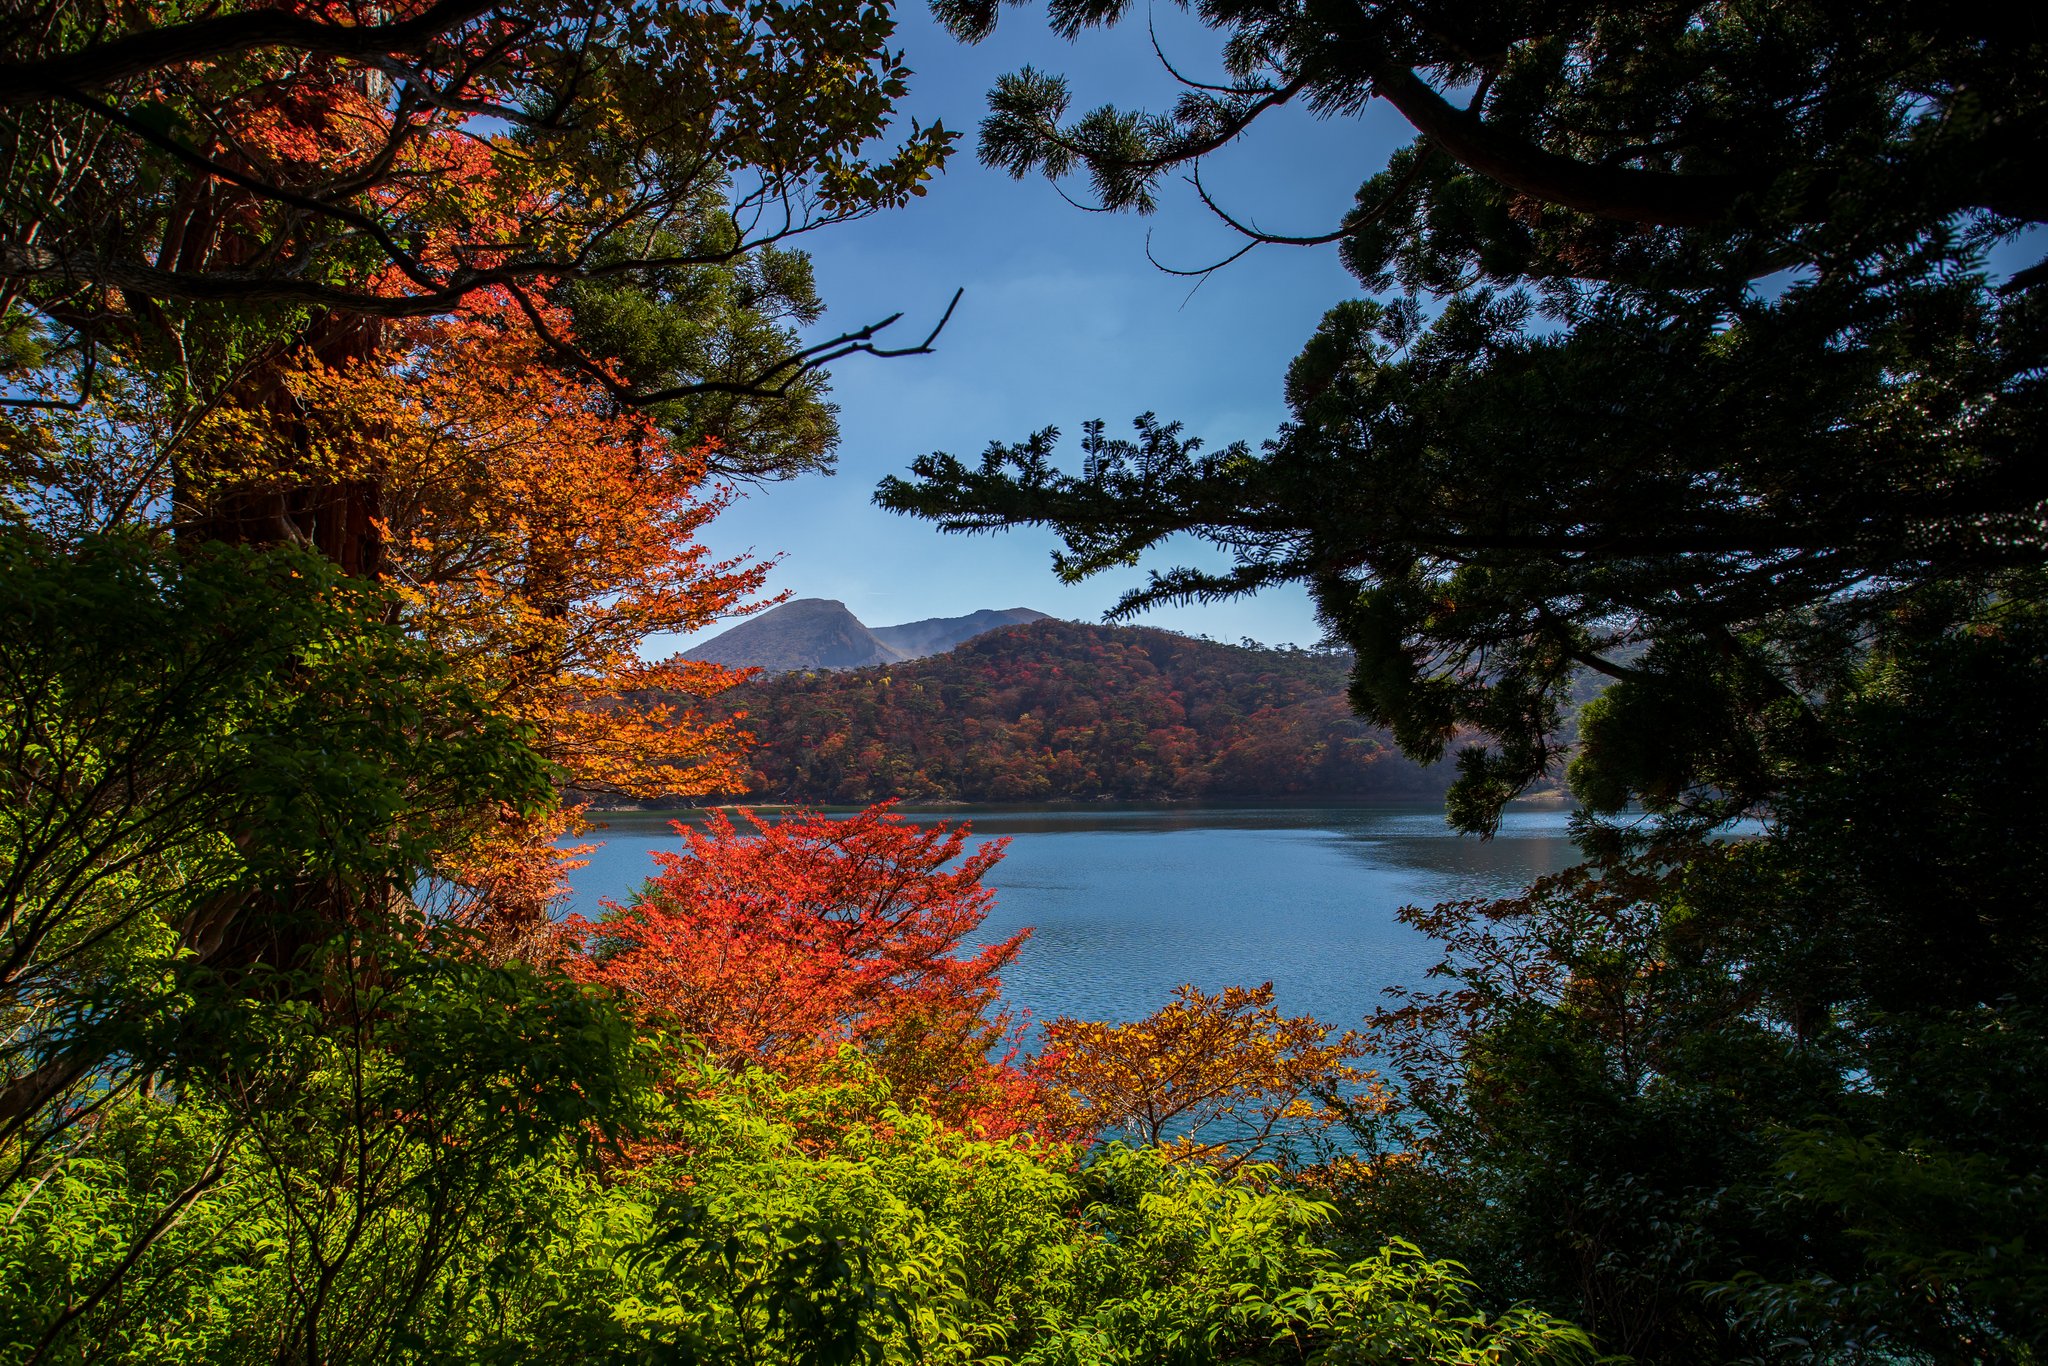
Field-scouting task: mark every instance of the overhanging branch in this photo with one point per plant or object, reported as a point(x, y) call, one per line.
point(224, 36)
point(1659, 198)
point(773, 381)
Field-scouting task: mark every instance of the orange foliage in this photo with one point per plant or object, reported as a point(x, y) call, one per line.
point(505, 885)
point(783, 944)
point(538, 531)
point(538, 535)
point(1224, 1079)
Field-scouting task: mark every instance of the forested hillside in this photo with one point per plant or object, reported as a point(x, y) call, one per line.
point(1062, 711)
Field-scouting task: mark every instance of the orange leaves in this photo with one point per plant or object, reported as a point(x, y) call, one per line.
point(531, 532)
point(781, 944)
point(1224, 1078)
point(505, 884)
point(539, 535)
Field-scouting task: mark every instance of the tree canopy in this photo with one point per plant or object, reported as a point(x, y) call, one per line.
point(1686, 446)
point(1692, 344)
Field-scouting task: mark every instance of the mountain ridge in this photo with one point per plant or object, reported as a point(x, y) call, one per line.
point(936, 635)
point(821, 633)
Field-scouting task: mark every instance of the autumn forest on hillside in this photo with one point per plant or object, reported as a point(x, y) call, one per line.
point(374, 378)
point(1061, 711)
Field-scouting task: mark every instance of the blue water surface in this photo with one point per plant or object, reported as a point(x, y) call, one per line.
point(1127, 903)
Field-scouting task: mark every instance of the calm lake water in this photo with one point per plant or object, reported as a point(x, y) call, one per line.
point(1126, 903)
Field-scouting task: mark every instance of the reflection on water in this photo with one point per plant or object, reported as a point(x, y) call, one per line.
point(1128, 902)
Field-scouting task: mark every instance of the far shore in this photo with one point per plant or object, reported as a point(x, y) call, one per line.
point(599, 808)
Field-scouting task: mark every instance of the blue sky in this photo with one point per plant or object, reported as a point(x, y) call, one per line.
point(1063, 320)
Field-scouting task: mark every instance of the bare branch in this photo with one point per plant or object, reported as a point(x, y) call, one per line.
point(800, 363)
point(1072, 202)
point(774, 381)
point(1152, 32)
point(1204, 272)
point(1344, 230)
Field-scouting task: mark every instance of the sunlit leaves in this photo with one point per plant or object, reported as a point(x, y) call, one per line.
point(1224, 1078)
point(780, 944)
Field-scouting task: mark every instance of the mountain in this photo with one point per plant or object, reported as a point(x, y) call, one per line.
point(809, 633)
point(819, 633)
point(936, 635)
point(1060, 711)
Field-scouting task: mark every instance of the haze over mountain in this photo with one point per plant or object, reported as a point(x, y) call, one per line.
point(820, 633)
point(936, 635)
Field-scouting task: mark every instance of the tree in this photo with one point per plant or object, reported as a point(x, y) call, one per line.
point(1585, 127)
point(367, 374)
point(1225, 1079)
point(1698, 383)
point(810, 933)
point(1605, 434)
point(376, 163)
point(329, 1193)
point(203, 207)
point(244, 249)
point(212, 765)
point(1726, 1100)
point(536, 535)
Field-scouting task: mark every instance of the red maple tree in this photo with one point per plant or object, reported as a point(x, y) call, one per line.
point(786, 941)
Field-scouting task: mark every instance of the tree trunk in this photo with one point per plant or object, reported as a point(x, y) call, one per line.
point(336, 518)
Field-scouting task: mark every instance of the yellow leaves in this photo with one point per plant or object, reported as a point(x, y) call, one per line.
point(1224, 1078)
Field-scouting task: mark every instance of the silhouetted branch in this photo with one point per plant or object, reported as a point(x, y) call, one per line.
point(223, 36)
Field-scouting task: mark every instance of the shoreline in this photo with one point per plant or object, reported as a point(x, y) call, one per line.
point(1548, 800)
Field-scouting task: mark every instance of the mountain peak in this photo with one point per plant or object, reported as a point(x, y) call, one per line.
point(936, 635)
point(807, 633)
point(820, 633)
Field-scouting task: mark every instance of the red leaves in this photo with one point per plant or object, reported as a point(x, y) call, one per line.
point(785, 942)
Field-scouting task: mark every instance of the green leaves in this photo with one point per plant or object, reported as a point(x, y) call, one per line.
point(364, 1176)
point(210, 765)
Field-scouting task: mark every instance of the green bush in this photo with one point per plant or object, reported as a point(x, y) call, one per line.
point(755, 1223)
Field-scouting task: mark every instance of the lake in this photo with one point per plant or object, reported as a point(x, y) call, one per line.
point(1128, 902)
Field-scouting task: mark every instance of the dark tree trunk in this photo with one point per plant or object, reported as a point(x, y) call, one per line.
point(337, 518)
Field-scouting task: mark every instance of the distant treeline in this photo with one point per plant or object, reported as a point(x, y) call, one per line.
point(1062, 711)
